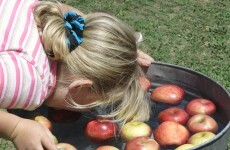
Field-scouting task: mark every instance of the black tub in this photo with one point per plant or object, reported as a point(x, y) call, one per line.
point(195, 84)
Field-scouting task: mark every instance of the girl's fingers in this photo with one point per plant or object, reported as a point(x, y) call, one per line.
point(48, 142)
point(144, 62)
point(144, 59)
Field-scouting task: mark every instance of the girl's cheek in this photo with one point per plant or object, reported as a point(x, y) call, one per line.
point(83, 96)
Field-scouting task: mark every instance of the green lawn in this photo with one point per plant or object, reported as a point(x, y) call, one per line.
point(189, 33)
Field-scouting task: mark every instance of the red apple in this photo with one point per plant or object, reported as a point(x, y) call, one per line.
point(145, 83)
point(145, 69)
point(65, 146)
point(200, 122)
point(107, 147)
point(134, 129)
point(44, 121)
point(173, 114)
point(100, 130)
point(200, 106)
point(200, 137)
point(171, 134)
point(61, 115)
point(142, 143)
point(168, 93)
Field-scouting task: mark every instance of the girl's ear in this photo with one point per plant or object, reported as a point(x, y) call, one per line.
point(80, 83)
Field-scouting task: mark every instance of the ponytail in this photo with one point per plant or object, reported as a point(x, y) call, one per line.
point(50, 20)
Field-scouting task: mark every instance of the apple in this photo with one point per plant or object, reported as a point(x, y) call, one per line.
point(200, 106)
point(185, 147)
point(168, 93)
point(200, 122)
point(55, 139)
point(145, 83)
point(65, 146)
point(107, 147)
point(200, 137)
point(145, 69)
point(44, 121)
point(173, 114)
point(171, 134)
point(61, 115)
point(142, 143)
point(134, 129)
point(100, 130)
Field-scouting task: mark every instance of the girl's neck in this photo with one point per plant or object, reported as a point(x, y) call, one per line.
point(56, 99)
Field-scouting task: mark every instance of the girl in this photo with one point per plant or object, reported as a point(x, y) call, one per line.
point(52, 53)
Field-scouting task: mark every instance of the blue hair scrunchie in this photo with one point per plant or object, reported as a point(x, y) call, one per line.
point(74, 25)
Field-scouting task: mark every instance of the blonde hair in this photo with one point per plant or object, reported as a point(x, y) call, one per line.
point(107, 56)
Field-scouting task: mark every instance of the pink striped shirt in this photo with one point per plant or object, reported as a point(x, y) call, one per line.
point(27, 77)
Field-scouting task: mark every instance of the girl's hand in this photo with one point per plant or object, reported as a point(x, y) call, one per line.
point(144, 59)
point(29, 134)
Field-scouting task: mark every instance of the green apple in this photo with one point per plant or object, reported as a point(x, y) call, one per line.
point(134, 129)
point(200, 137)
point(65, 146)
point(55, 139)
point(185, 147)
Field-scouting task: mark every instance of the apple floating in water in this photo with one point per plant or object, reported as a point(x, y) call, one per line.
point(171, 134)
point(65, 146)
point(145, 83)
point(63, 116)
point(135, 129)
point(168, 94)
point(200, 137)
point(100, 130)
point(173, 114)
point(200, 122)
point(44, 121)
point(200, 106)
point(142, 143)
point(185, 147)
point(107, 147)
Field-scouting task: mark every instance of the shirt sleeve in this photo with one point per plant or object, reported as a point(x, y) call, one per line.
point(20, 83)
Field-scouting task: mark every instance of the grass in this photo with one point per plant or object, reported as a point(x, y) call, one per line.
point(193, 34)
point(190, 33)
